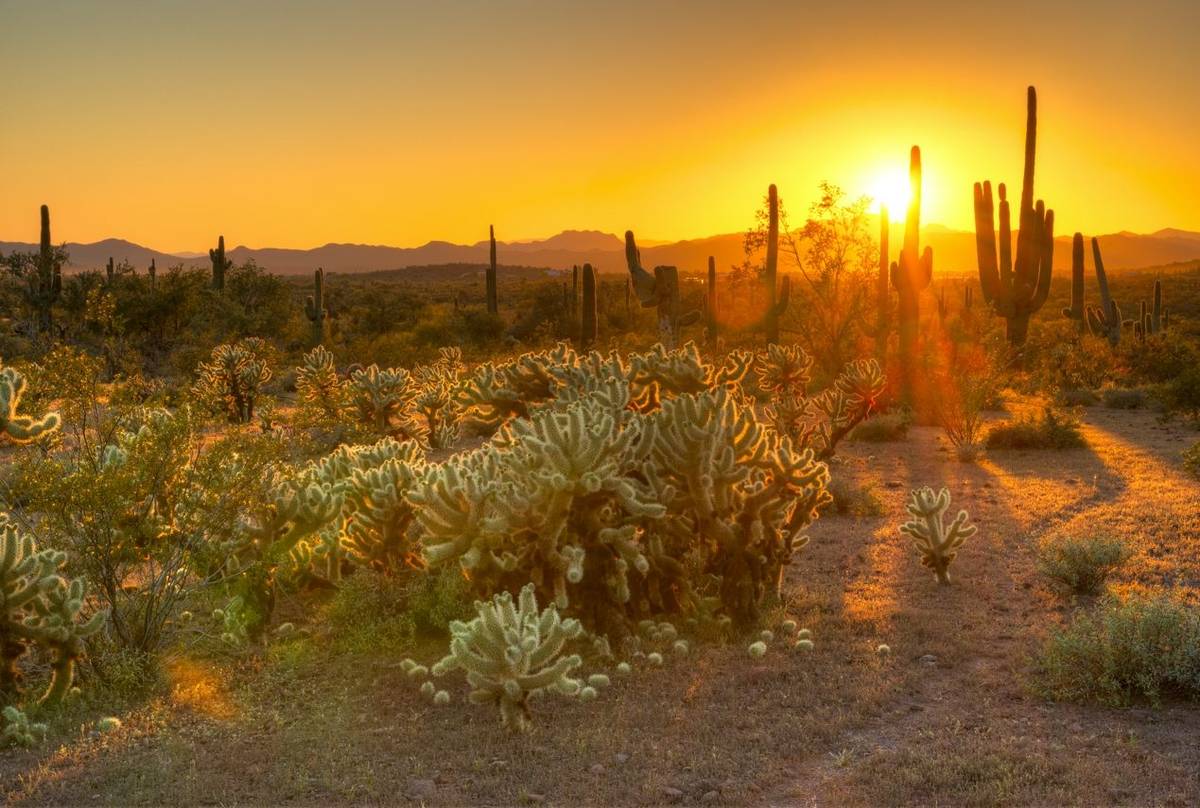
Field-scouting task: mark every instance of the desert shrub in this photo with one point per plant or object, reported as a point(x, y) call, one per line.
point(1181, 395)
point(1067, 364)
point(1159, 358)
point(883, 428)
point(1082, 564)
point(1052, 429)
point(374, 610)
point(1121, 398)
point(1191, 459)
point(1144, 648)
point(1077, 398)
point(852, 500)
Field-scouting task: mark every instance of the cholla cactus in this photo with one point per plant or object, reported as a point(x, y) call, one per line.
point(510, 653)
point(821, 421)
point(231, 381)
point(19, 730)
point(936, 542)
point(744, 490)
point(659, 374)
point(383, 399)
point(318, 385)
point(495, 393)
point(21, 428)
point(435, 401)
point(784, 369)
point(380, 531)
point(37, 605)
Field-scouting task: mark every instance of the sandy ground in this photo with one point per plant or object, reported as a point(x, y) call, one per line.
point(947, 718)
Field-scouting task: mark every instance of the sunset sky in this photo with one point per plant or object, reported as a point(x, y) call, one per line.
point(298, 123)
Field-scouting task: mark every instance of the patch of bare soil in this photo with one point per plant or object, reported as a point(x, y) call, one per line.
point(946, 718)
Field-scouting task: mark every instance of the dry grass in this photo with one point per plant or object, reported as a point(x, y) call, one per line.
point(947, 718)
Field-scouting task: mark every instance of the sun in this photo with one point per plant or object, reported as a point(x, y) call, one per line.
point(890, 189)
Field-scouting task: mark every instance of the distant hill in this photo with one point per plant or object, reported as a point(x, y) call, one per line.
point(953, 252)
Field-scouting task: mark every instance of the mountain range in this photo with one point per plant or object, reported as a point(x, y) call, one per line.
point(953, 252)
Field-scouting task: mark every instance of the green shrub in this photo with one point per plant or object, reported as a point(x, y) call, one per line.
point(1191, 459)
point(883, 428)
point(852, 500)
point(372, 610)
point(1140, 649)
point(1181, 395)
point(1050, 430)
point(1082, 565)
point(1077, 398)
point(1119, 398)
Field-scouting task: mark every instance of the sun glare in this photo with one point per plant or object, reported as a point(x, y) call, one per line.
point(890, 189)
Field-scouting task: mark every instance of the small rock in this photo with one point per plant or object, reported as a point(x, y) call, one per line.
point(928, 660)
point(893, 484)
point(535, 799)
point(710, 796)
point(672, 793)
point(420, 789)
point(621, 757)
point(597, 768)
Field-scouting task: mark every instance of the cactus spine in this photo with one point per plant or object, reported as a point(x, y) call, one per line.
point(1104, 321)
point(587, 331)
point(911, 275)
point(1077, 309)
point(883, 302)
point(219, 264)
point(1015, 292)
point(314, 308)
point(492, 304)
point(711, 303)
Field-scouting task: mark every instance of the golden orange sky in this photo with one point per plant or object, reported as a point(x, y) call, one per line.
point(299, 123)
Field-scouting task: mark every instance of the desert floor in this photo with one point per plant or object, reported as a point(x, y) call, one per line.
point(947, 718)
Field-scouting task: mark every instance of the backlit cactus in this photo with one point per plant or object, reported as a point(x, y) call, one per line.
point(493, 305)
point(39, 606)
point(16, 427)
point(1077, 309)
point(1016, 289)
point(318, 386)
point(511, 653)
point(883, 297)
point(231, 381)
point(588, 319)
point(17, 730)
point(659, 290)
point(936, 542)
point(44, 283)
point(1105, 320)
point(911, 276)
point(776, 296)
point(314, 308)
point(383, 399)
point(220, 264)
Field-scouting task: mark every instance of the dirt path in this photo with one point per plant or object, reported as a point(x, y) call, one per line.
point(946, 718)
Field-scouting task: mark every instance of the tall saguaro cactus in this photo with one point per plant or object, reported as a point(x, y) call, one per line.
point(883, 298)
point(45, 283)
point(910, 276)
point(153, 273)
point(712, 310)
point(660, 290)
point(314, 308)
point(219, 264)
point(587, 330)
point(1076, 311)
point(771, 318)
point(492, 304)
point(1015, 291)
point(1105, 320)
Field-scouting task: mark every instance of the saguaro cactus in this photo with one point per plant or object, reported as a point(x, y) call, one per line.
point(587, 330)
point(153, 273)
point(492, 303)
point(711, 303)
point(660, 290)
point(219, 264)
point(1076, 311)
point(1104, 321)
point(109, 271)
point(883, 297)
point(314, 308)
point(1015, 292)
point(774, 309)
point(911, 275)
point(45, 283)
